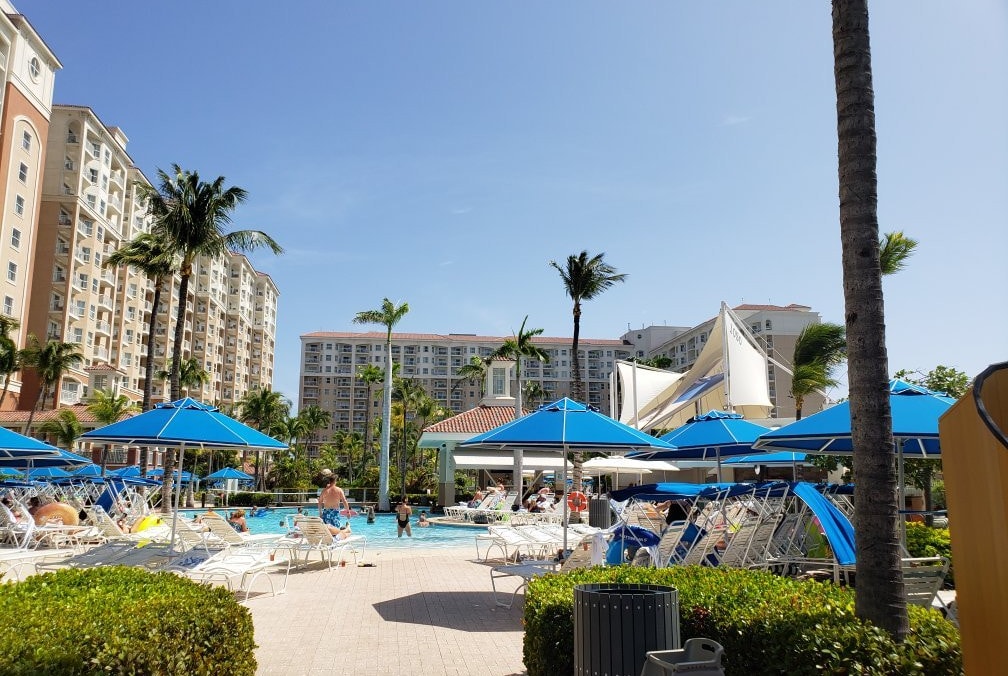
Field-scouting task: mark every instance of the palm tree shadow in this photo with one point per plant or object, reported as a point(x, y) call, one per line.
point(465, 611)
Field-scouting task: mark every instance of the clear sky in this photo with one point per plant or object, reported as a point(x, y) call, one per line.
point(442, 152)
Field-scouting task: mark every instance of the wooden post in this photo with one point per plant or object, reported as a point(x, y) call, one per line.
point(975, 467)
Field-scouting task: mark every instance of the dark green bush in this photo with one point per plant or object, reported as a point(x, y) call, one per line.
point(925, 541)
point(122, 621)
point(246, 499)
point(767, 624)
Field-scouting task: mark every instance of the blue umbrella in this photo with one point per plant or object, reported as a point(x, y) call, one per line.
point(708, 437)
point(228, 473)
point(49, 473)
point(9, 471)
point(781, 458)
point(127, 471)
point(159, 474)
point(565, 425)
point(15, 446)
point(183, 423)
point(88, 470)
point(915, 413)
point(60, 458)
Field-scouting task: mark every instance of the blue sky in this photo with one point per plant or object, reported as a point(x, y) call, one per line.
point(441, 153)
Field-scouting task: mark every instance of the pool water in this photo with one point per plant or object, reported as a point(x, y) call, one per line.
point(380, 535)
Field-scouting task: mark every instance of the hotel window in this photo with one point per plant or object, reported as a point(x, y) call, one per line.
point(104, 182)
point(78, 336)
point(498, 382)
point(91, 201)
point(93, 176)
point(108, 157)
point(19, 205)
point(12, 272)
point(26, 141)
point(23, 173)
point(95, 150)
point(8, 306)
point(34, 68)
point(15, 239)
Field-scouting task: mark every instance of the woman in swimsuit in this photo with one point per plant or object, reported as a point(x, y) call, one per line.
point(403, 514)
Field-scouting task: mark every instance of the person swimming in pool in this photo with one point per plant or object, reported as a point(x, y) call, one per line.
point(403, 514)
point(329, 501)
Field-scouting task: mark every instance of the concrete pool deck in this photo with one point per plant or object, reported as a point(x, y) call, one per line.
point(416, 611)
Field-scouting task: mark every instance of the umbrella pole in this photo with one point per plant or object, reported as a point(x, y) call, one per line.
point(901, 492)
point(566, 514)
point(178, 495)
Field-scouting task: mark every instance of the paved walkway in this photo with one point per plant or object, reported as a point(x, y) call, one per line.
point(416, 611)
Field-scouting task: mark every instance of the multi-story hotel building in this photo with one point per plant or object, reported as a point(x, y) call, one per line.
point(27, 73)
point(775, 328)
point(330, 362)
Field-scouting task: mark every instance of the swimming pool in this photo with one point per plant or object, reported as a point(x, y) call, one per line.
point(380, 535)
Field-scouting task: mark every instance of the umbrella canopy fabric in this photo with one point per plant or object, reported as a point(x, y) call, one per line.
point(780, 458)
point(60, 458)
point(88, 470)
point(127, 471)
point(9, 471)
point(566, 424)
point(915, 413)
point(14, 445)
point(159, 474)
point(228, 473)
point(185, 422)
point(49, 473)
point(620, 463)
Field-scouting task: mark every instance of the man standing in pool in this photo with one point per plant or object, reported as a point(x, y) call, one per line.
point(329, 501)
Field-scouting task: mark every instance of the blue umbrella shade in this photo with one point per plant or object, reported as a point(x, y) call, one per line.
point(159, 474)
point(49, 473)
point(60, 458)
point(128, 471)
point(915, 413)
point(88, 470)
point(9, 471)
point(14, 445)
point(185, 422)
point(780, 458)
point(228, 473)
point(708, 437)
point(566, 424)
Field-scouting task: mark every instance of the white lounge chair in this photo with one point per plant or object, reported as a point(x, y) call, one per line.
point(243, 567)
point(316, 537)
point(579, 557)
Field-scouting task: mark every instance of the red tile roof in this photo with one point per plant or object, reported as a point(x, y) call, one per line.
point(86, 417)
point(475, 421)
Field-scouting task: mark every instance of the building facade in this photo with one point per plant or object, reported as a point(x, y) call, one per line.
point(330, 362)
point(775, 329)
point(27, 73)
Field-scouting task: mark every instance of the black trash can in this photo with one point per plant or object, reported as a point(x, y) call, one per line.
point(615, 625)
point(599, 512)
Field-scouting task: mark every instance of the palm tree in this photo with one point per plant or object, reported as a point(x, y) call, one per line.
point(515, 348)
point(263, 409)
point(408, 393)
point(818, 349)
point(370, 375)
point(894, 250)
point(108, 407)
point(190, 216)
point(473, 373)
point(534, 394)
point(192, 375)
point(10, 355)
point(388, 316)
point(313, 418)
point(879, 596)
point(50, 362)
point(65, 429)
point(584, 278)
point(150, 255)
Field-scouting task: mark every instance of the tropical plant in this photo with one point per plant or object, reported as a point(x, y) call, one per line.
point(10, 355)
point(50, 361)
point(265, 410)
point(150, 255)
point(472, 374)
point(659, 361)
point(818, 350)
point(584, 277)
point(314, 418)
point(408, 394)
point(388, 315)
point(65, 429)
point(370, 375)
point(190, 216)
point(879, 596)
point(192, 375)
point(108, 407)
point(894, 250)
point(533, 394)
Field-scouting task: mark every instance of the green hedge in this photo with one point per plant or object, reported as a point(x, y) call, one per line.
point(122, 621)
point(766, 623)
point(246, 499)
point(925, 541)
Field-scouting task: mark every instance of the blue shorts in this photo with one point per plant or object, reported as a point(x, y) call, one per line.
point(331, 516)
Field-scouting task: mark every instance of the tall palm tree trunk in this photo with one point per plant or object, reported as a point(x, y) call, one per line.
point(180, 315)
point(386, 432)
point(168, 481)
point(879, 595)
point(577, 468)
point(39, 402)
point(148, 391)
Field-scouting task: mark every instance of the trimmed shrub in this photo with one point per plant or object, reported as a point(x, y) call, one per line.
point(766, 623)
point(123, 621)
point(246, 499)
point(925, 541)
